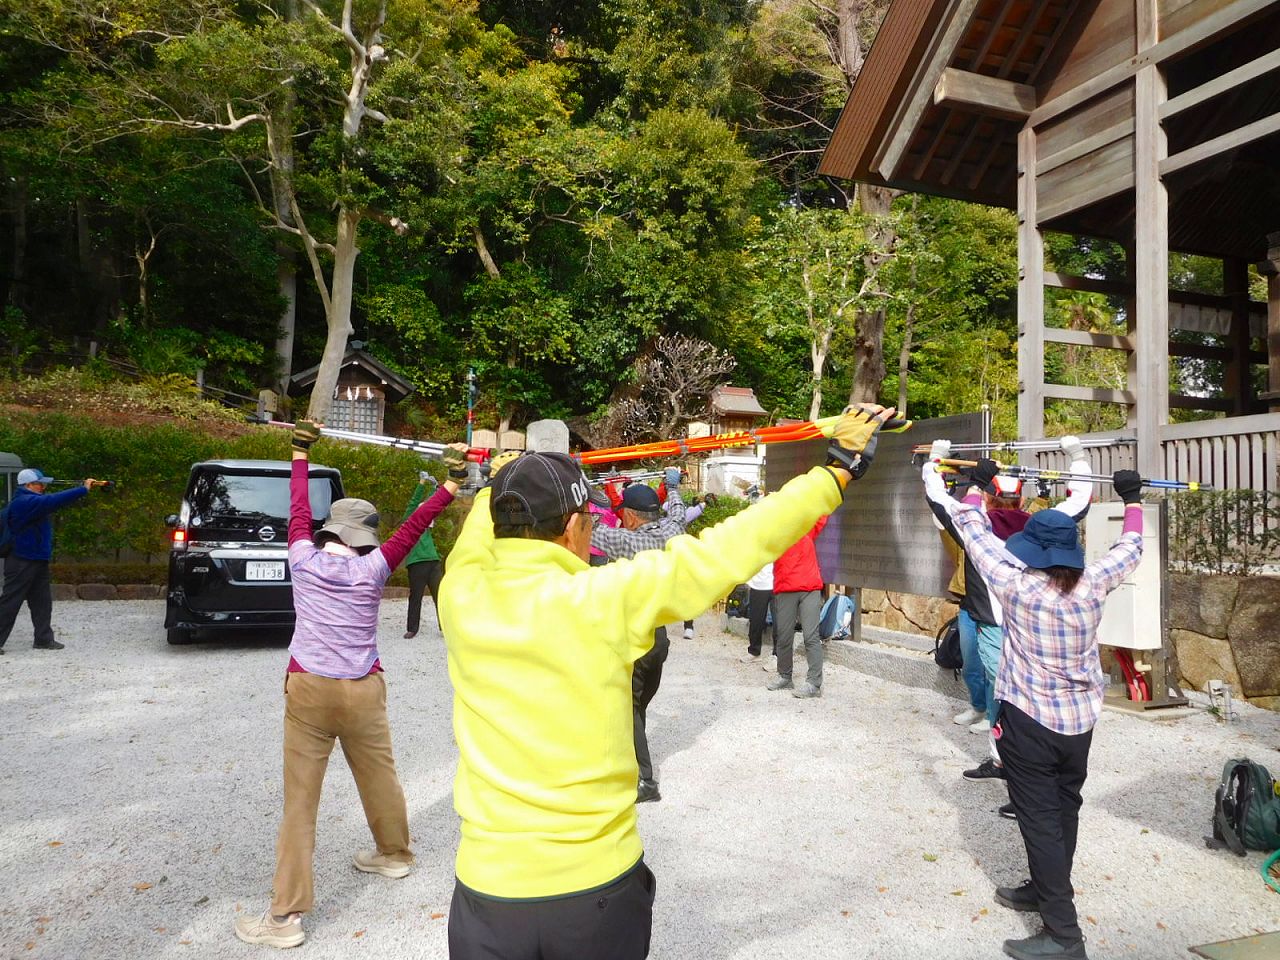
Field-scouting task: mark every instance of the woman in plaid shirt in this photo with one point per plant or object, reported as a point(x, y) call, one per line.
point(1049, 689)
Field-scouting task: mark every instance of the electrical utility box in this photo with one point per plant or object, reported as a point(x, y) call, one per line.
point(1133, 617)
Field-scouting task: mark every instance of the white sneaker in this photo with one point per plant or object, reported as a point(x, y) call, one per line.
point(266, 929)
point(749, 658)
point(371, 861)
point(969, 716)
point(980, 726)
point(688, 633)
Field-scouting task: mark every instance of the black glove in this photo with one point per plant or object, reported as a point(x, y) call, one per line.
point(1128, 485)
point(305, 433)
point(984, 475)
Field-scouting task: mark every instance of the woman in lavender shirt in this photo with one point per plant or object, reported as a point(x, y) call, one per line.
point(334, 688)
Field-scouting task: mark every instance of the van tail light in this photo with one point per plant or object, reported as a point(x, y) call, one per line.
point(179, 539)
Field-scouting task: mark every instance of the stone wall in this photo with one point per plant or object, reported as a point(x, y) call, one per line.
point(1222, 628)
point(906, 612)
point(1228, 628)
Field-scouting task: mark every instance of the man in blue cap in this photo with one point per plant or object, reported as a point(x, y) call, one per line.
point(26, 570)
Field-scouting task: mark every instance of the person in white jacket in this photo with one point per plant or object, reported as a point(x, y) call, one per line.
point(759, 608)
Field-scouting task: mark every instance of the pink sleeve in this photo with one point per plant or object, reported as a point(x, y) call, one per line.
point(401, 542)
point(973, 498)
point(299, 502)
point(1132, 519)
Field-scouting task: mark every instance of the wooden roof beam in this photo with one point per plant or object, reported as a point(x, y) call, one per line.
point(976, 93)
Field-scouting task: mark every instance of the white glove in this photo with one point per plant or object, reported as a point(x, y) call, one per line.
point(941, 450)
point(424, 477)
point(1072, 447)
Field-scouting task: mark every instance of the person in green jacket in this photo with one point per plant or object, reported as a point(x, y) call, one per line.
point(541, 647)
point(423, 563)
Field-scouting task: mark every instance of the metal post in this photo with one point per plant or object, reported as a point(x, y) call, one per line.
point(472, 391)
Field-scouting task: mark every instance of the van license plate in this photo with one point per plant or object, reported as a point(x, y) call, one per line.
point(264, 570)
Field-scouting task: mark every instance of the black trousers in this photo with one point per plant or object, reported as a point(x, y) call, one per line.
point(423, 576)
point(612, 923)
point(646, 675)
point(1046, 771)
point(759, 603)
point(27, 580)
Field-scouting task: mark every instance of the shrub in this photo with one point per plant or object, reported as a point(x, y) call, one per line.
point(151, 464)
point(724, 507)
point(1224, 531)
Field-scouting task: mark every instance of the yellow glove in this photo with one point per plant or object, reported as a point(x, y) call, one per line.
point(498, 460)
point(455, 459)
point(854, 439)
point(305, 433)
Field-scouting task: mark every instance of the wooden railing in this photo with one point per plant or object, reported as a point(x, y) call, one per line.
point(1235, 453)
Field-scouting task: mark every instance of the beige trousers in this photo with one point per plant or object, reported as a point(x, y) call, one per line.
point(316, 710)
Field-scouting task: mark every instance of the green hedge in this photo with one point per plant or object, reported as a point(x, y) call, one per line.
point(151, 463)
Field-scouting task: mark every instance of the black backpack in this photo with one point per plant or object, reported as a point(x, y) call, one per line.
point(946, 646)
point(1246, 808)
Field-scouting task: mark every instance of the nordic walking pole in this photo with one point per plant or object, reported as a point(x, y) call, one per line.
point(1045, 445)
point(1035, 473)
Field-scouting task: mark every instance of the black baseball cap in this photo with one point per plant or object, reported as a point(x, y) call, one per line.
point(541, 486)
point(640, 497)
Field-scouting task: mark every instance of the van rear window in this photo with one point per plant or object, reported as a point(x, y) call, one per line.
point(230, 495)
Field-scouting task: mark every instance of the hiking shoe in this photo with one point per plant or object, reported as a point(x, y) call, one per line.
point(410, 634)
point(51, 645)
point(268, 930)
point(371, 861)
point(780, 683)
point(988, 769)
point(647, 792)
point(1009, 813)
point(969, 716)
point(1022, 897)
point(980, 726)
point(688, 633)
point(749, 658)
point(806, 691)
point(1044, 947)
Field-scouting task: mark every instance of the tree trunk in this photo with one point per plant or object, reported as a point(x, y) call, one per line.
point(287, 264)
point(341, 288)
point(904, 356)
point(818, 358)
point(16, 295)
point(868, 341)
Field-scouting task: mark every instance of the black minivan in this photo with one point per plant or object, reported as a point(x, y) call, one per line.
point(228, 556)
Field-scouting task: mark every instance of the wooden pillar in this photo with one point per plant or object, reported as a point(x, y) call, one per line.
point(1150, 382)
point(1270, 268)
point(1030, 295)
point(1238, 383)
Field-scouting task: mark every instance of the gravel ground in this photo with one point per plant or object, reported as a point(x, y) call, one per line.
point(142, 787)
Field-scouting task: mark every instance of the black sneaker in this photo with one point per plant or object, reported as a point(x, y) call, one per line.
point(648, 792)
point(1019, 898)
point(1044, 947)
point(1008, 813)
point(988, 769)
point(51, 645)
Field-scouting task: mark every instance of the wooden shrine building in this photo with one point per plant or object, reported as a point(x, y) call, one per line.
point(1152, 123)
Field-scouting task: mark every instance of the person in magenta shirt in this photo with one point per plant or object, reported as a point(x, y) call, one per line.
point(334, 687)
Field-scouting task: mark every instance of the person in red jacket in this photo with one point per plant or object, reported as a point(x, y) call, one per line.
point(797, 597)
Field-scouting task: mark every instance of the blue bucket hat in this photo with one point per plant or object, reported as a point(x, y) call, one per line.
point(1049, 539)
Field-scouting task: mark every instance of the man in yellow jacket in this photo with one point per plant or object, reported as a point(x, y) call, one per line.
point(541, 647)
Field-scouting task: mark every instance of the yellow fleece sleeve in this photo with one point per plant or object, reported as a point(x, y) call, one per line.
point(691, 573)
point(474, 546)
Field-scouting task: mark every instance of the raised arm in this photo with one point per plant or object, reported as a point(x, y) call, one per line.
point(1126, 553)
point(1079, 492)
point(402, 541)
point(305, 433)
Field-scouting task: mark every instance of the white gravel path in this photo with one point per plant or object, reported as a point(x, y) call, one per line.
point(141, 794)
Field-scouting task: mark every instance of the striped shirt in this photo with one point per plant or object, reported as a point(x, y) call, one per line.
point(1049, 667)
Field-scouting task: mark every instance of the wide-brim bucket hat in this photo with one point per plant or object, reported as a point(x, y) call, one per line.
point(1050, 539)
point(354, 522)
